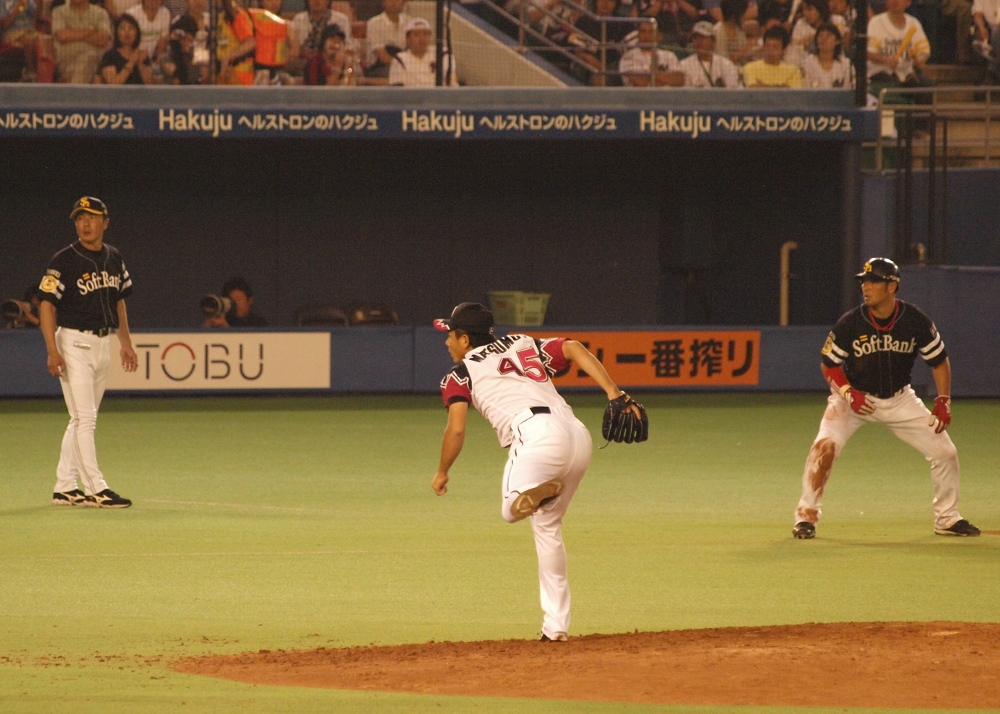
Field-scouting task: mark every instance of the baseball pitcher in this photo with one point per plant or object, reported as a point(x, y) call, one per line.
point(509, 380)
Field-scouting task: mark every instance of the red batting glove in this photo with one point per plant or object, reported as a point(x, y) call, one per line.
point(860, 402)
point(940, 414)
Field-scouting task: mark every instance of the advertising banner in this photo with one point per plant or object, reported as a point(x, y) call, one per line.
point(697, 358)
point(224, 361)
point(848, 124)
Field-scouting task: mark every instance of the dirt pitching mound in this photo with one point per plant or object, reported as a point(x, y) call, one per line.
point(882, 664)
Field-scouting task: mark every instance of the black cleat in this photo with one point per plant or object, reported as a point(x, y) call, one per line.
point(558, 637)
point(804, 530)
point(75, 497)
point(959, 528)
point(107, 499)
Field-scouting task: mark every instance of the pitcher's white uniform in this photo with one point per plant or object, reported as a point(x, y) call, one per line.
point(509, 382)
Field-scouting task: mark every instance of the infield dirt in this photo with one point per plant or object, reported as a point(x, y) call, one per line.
point(880, 664)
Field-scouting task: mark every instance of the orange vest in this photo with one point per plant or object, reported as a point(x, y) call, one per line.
point(271, 33)
point(230, 37)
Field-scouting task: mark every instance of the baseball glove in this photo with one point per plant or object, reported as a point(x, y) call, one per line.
point(621, 425)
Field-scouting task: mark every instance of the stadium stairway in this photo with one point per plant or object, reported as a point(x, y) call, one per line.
point(486, 57)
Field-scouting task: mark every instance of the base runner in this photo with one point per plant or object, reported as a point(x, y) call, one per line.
point(867, 360)
point(509, 380)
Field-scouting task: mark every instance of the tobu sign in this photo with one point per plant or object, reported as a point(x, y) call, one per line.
point(225, 360)
point(697, 358)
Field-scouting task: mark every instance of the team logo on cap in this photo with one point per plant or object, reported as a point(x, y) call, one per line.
point(867, 268)
point(84, 202)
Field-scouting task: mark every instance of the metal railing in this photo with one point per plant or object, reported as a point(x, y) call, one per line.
point(928, 123)
point(526, 30)
point(940, 112)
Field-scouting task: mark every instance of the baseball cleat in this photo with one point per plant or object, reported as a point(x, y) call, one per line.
point(107, 499)
point(558, 637)
point(804, 530)
point(959, 528)
point(68, 498)
point(531, 500)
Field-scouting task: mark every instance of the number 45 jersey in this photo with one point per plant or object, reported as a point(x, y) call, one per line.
point(508, 377)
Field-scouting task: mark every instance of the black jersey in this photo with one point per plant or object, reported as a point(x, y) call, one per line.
point(877, 355)
point(85, 286)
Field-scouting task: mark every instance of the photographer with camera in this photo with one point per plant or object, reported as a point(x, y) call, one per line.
point(232, 307)
point(23, 313)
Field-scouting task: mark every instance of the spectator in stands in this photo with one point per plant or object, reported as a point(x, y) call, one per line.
point(775, 12)
point(772, 70)
point(637, 63)
point(80, 32)
point(336, 65)
point(674, 18)
point(309, 26)
point(274, 44)
point(586, 42)
point(829, 68)
point(416, 66)
point(898, 49)
point(116, 8)
point(154, 21)
point(986, 15)
point(706, 68)
point(814, 14)
point(235, 51)
point(386, 37)
point(180, 8)
point(241, 313)
point(17, 29)
point(846, 13)
point(961, 10)
point(731, 40)
point(177, 63)
point(126, 62)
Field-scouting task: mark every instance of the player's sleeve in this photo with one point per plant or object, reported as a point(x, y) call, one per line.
point(126, 287)
point(51, 288)
point(553, 357)
point(930, 344)
point(835, 349)
point(457, 385)
point(919, 46)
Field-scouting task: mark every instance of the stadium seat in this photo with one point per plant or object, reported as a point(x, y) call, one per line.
point(320, 315)
point(371, 313)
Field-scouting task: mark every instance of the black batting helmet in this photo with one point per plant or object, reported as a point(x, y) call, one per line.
point(879, 269)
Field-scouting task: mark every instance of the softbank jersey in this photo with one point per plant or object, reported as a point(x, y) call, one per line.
point(877, 355)
point(507, 377)
point(85, 286)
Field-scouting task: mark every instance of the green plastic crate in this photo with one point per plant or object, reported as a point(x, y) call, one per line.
point(514, 307)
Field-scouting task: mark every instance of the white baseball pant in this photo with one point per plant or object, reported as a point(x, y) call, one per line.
point(547, 447)
point(907, 417)
point(87, 358)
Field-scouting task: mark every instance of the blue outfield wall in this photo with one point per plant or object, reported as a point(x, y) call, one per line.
point(413, 360)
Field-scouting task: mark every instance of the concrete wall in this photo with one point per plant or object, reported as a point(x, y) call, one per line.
point(619, 232)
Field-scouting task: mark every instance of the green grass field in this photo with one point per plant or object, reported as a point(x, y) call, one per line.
point(307, 522)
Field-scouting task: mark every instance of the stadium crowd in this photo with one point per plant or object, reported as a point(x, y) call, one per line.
point(722, 43)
